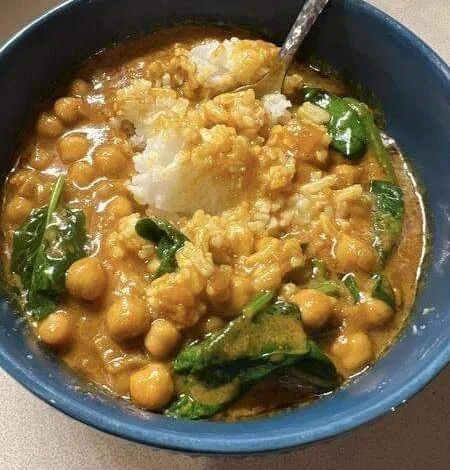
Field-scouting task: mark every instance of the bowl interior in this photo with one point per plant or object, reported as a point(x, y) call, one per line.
point(412, 84)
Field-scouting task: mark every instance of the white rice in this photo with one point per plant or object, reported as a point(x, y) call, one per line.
point(214, 63)
point(276, 106)
point(158, 171)
point(165, 179)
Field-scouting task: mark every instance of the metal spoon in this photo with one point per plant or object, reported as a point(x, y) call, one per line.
point(272, 82)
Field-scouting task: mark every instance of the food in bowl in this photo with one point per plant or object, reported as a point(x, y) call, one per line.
point(203, 252)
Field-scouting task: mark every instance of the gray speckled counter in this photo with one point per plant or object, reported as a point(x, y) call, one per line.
point(34, 436)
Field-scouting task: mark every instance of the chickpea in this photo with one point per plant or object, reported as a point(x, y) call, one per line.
point(346, 176)
point(68, 109)
point(162, 338)
point(18, 178)
point(353, 254)
point(40, 158)
point(17, 209)
point(377, 312)
point(127, 318)
point(109, 160)
point(48, 125)
point(56, 330)
point(25, 183)
point(350, 315)
point(353, 350)
point(212, 324)
point(86, 279)
point(120, 207)
point(107, 189)
point(80, 87)
point(315, 306)
point(72, 147)
point(81, 174)
point(151, 387)
point(29, 190)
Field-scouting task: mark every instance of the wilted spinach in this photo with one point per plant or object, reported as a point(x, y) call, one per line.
point(349, 281)
point(373, 137)
point(315, 372)
point(320, 281)
point(345, 128)
point(44, 246)
point(266, 337)
point(167, 238)
point(382, 289)
point(329, 288)
point(387, 216)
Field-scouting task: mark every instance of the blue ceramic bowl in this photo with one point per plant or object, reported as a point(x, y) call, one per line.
point(411, 82)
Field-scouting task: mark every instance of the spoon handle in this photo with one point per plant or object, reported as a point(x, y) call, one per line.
point(307, 17)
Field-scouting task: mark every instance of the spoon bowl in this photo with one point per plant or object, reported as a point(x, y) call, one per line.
point(272, 82)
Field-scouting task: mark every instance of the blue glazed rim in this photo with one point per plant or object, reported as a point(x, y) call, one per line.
point(217, 443)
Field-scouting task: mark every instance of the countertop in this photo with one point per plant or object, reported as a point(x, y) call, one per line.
point(35, 436)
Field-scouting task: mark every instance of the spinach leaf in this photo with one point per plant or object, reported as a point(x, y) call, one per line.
point(191, 355)
point(262, 330)
point(200, 399)
point(320, 281)
point(27, 240)
point(373, 137)
point(266, 337)
point(382, 290)
point(44, 247)
point(387, 216)
point(314, 371)
point(350, 282)
point(167, 238)
point(187, 406)
point(329, 288)
point(347, 133)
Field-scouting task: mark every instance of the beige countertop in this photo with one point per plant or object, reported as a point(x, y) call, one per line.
point(35, 436)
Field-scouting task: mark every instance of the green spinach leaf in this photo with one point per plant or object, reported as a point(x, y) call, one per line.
point(315, 371)
point(350, 282)
point(387, 216)
point(347, 133)
point(266, 337)
point(44, 247)
point(329, 288)
point(373, 137)
point(167, 238)
point(261, 330)
point(320, 281)
point(382, 290)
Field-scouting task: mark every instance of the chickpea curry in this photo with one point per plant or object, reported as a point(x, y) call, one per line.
point(206, 253)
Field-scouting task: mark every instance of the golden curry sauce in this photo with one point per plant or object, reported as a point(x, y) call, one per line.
point(116, 325)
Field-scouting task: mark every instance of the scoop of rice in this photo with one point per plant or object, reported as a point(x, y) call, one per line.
point(197, 156)
point(170, 178)
point(184, 165)
point(214, 61)
point(231, 63)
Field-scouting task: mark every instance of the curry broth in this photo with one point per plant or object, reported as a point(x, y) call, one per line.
point(98, 186)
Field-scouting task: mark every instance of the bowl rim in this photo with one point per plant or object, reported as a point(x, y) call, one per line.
point(180, 441)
